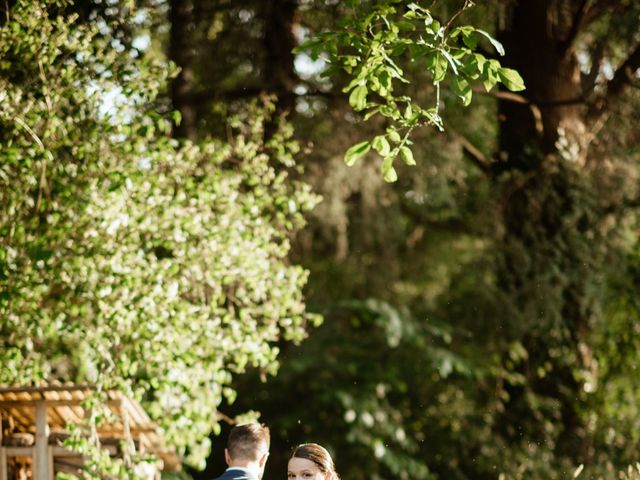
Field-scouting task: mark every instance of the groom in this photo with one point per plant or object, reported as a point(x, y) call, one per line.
point(246, 453)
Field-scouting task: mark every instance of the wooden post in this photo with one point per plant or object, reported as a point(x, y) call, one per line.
point(41, 460)
point(3, 463)
point(3, 453)
point(50, 462)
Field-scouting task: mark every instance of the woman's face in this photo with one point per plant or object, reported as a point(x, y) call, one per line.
point(303, 469)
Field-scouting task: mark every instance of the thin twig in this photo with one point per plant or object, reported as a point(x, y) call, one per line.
point(222, 416)
point(480, 160)
point(535, 108)
point(467, 4)
point(583, 8)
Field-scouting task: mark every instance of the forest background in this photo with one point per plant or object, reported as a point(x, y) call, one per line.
point(477, 318)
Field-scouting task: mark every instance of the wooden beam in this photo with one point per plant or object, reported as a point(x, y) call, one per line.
point(50, 388)
point(56, 451)
point(19, 451)
point(41, 460)
point(50, 403)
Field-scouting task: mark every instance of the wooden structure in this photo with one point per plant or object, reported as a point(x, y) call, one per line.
point(34, 421)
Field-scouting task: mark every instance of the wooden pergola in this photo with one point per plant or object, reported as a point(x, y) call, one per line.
point(35, 419)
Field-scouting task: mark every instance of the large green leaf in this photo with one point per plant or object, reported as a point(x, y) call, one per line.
point(356, 151)
point(511, 79)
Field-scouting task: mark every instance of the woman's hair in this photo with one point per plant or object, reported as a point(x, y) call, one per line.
point(319, 456)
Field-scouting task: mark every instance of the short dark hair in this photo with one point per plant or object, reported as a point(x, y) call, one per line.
point(318, 455)
point(248, 441)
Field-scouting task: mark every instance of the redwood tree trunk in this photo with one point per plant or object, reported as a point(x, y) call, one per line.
point(544, 269)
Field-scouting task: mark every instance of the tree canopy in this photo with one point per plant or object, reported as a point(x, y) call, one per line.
point(189, 186)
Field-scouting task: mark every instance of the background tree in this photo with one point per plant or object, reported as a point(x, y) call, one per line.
point(513, 232)
point(479, 313)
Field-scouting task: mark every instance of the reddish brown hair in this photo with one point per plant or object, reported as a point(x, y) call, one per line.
point(318, 455)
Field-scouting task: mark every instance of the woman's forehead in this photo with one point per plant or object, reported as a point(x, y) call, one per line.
point(297, 464)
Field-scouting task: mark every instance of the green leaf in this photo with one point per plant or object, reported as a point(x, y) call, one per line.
point(371, 113)
point(358, 97)
point(176, 116)
point(496, 44)
point(394, 136)
point(470, 40)
point(480, 61)
point(451, 61)
point(388, 172)
point(406, 26)
point(408, 112)
point(407, 155)
point(381, 145)
point(511, 79)
point(356, 151)
point(432, 24)
point(469, 37)
point(438, 66)
point(490, 74)
point(461, 88)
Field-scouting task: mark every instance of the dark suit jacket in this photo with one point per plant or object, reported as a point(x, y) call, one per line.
point(236, 473)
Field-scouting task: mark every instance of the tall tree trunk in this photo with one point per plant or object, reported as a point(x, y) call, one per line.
point(545, 214)
point(535, 42)
point(279, 41)
point(181, 51)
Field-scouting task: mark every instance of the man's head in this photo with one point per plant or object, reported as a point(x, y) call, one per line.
point(248, 447)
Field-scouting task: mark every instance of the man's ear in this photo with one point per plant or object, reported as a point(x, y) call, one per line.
point(227, 457)
point(263, 459)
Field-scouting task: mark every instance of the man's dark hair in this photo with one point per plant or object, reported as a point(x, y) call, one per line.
point(248, 442)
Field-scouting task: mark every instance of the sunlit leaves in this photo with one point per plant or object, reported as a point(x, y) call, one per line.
point(356, 151)
point(372, 40)
point(129, 260)
point(381, 145)
point(388, 172)
point(358, 97)
point(407, 155)
point(511, 79)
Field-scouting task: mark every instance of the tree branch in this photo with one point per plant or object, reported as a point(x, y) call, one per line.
point(516, 98)
point(576, 23)
point(508, 96)
point(588, 80)
point(476, 156)
point(248, 92)
point(623, 74)
point(235, 94)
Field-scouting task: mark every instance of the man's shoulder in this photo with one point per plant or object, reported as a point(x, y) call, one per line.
point(234, 474)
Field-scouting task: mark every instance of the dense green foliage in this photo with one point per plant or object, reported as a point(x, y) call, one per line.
point(128, 260)
point(512, 235)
